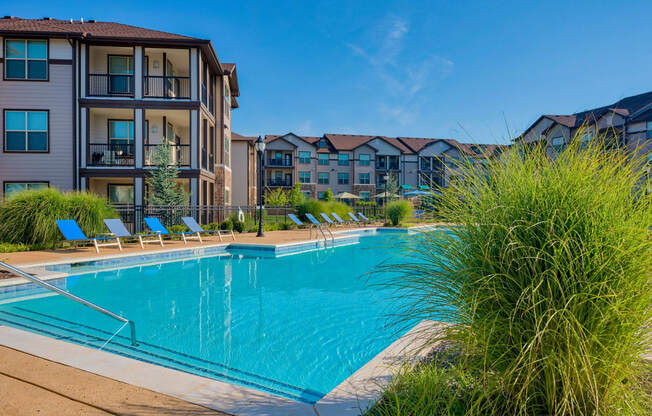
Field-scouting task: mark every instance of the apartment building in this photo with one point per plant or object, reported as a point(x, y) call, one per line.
point(86, 103)
point(627, 123)
point(359, 164)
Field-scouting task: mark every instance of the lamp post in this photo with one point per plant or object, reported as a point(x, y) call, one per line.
point(385, 178)
point(260, 149)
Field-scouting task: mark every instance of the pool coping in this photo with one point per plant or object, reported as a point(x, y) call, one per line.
point(351, 397)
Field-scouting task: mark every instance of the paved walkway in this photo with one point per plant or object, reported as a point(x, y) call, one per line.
point(31, 385)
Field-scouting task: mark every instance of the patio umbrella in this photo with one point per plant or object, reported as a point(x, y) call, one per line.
point(418, 193)
point(346, 195)
point(386, 194)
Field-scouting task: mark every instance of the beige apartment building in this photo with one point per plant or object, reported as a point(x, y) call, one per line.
point(359, 164)
point(86, 103)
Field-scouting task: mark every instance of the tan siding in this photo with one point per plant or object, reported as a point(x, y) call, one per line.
point(55, 96)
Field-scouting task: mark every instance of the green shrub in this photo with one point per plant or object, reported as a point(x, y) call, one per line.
point(238, 226)
point(546, 280)
point(226, 225)
point(14, 248)
point(316, 207)
point(296, 197)
point(276, 197)
point(29, 217)
point(178, 228)
point(399, 211)
point(328, 195)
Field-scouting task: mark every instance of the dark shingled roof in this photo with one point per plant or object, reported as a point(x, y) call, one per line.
point(629, 106)
point(239, 138)
point(347, 141)
point(88, 29)
point(230, 70)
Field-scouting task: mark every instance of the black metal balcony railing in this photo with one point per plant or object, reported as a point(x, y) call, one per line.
point(383, 166)
point(180, 154)
point(110, 154)
point(279, 162)
point(279, 182)
point(107, 85)
point(166, 87)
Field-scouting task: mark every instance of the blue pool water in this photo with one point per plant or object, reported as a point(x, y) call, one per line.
point(295, 326)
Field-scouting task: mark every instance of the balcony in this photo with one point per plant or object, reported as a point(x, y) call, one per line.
point(179, 154)
point(279, 182)
point(284, 163)
point(110, 154)
point(110, 85)
point(161, 86)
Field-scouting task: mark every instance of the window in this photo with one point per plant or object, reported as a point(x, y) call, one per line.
point(323, 158)
point(364, 179)
point(12, 187)
point(121, 74)
point(227, 100)
point(365, 196)
point(304, 157)
point(320, 195)
point(26, 59)
point(343, 159)
point(227, 150)
point(121, 194)
point(121, 132)
point(342, 178)
point(227, 196)
point(381, 162)
point(364, 159)
point(649, 130)
point(322, 178)
point(304, 177)
point(26, 131)
point(425, 163)
point(306, 194)
point(557, 142)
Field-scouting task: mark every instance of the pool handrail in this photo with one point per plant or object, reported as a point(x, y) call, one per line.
point(11, 269)
point(320, 225)
point(71, 232)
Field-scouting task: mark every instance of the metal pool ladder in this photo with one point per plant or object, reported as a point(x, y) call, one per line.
point(20, 273)
point(321, 229)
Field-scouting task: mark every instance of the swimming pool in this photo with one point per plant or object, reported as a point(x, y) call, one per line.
point(294, 326)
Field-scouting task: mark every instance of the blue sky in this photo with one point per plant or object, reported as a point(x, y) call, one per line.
point(450, 69)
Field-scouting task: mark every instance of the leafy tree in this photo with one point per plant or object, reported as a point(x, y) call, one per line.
point(296, 197)
point(328, 195)
point(163, 179)
point(392, 185)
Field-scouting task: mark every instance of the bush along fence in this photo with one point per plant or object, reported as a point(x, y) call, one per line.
point(276, 217)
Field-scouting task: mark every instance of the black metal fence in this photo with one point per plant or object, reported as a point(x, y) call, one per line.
point(133, 215)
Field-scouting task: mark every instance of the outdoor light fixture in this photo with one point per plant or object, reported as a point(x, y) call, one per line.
point(260, 149)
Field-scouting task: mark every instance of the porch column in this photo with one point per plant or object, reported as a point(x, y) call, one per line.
point(194, 74)
point(83, 183)
point(138, 191)
point(194, 139)
point(83, 136)
point(194, 191)
point(139, 118)
point(138, 72)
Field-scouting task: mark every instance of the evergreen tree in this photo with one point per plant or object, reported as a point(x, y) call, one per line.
point(164, 189)
point(328, 195)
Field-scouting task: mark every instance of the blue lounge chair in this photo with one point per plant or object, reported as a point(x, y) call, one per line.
point(355, 219)
point(364, 218)
point(194, 226)
point(340, 220)
point(71, 232)
point(155, 225)
point(118, 230)
point(296, 220)
point(328, 220)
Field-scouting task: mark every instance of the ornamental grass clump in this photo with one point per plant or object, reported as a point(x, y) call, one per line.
point(28, 217)
point(546, 280)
